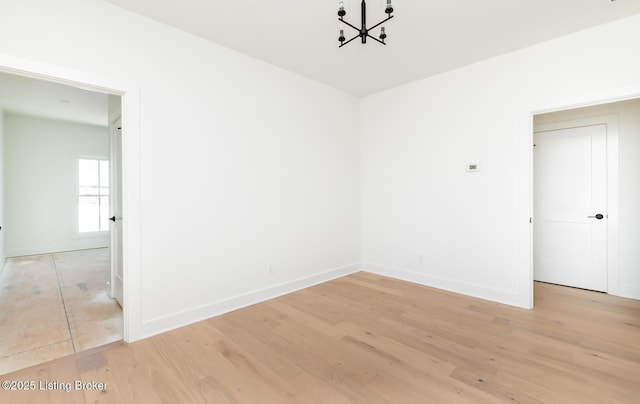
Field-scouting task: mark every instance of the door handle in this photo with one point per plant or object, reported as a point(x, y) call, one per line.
point(112, 218)
point(597, 216)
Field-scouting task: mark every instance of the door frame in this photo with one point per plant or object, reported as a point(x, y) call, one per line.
point(130, 168)
point(612, 224)
point(613, 267)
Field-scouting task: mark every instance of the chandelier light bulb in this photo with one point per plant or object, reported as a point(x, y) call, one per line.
point(383, 34)
point(389, 8)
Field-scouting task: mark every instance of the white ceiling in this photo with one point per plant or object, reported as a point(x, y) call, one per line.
point(30, 96)
point(425, 37)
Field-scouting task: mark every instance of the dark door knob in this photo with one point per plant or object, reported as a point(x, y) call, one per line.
point(597, 216)
point(112, 218)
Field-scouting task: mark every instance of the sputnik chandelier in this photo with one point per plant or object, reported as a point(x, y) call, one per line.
point(363, 31)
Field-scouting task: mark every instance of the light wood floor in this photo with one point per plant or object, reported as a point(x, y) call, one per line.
point(369, 339)
point(53, 305)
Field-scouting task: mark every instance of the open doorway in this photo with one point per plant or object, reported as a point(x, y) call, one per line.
point(56, 293)
point(586, 191)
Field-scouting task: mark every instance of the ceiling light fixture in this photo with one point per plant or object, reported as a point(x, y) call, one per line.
point(363, 31)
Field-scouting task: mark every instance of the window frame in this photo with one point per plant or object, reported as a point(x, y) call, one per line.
point(76, 197)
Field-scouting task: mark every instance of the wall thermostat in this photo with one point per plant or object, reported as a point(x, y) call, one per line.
point(473, 167)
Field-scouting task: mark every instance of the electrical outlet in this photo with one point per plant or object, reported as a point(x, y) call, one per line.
point(270, 269)
point(421, 259)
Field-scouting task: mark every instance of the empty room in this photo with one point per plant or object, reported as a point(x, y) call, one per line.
point(56, 298)
point(310, 209)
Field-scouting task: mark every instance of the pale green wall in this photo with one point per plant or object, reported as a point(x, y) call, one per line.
point(40, 157)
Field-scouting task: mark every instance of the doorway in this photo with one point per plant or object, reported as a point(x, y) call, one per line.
point(129, 93)
point(66, 269)
point(607, 229)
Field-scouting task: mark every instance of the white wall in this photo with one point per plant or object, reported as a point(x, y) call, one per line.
point(242, 164)
point(40, 180)
point(472, 229)
point(628, 115)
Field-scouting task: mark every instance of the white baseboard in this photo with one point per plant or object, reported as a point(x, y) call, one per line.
point(25, 252)
point(482, 292)
point(630, 291)
point(180, 319)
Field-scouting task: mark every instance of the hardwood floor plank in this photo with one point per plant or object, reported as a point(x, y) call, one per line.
point(312, 353)
point(369, 339)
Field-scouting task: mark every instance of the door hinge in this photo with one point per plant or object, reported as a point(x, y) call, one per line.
point(530, 220)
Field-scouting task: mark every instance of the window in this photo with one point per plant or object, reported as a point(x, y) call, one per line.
point(93, 195)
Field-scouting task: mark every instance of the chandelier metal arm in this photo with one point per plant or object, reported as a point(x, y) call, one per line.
point(380, 23)
point(372, 37)
point(343, 44)
point(347, 23)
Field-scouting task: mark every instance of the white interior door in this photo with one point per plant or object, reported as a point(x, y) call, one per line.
point(570, 207)
point(115, 151)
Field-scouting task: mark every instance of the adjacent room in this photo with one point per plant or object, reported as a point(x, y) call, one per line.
point(304, 207)
point(55, 284)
